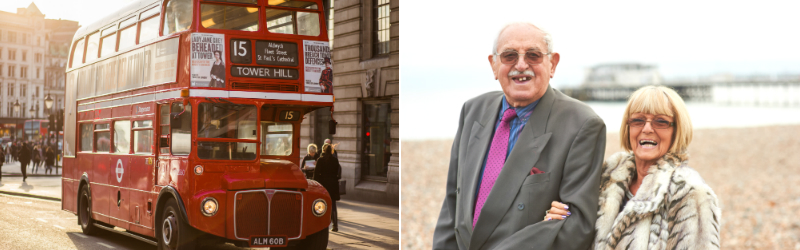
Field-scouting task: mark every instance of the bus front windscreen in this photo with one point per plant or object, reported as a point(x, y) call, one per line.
point(226, 121)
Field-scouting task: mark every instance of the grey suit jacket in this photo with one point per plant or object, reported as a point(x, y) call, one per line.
point(564, 138)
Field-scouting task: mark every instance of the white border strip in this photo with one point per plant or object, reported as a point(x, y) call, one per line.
point(317, 98)
point(209, 93)
point(266, 95)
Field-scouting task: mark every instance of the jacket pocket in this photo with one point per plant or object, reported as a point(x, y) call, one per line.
point(536, 178)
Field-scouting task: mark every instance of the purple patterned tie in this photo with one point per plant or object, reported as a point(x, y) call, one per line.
point(497, 157)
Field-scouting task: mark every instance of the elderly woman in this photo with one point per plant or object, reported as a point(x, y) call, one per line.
point(649, 197)
point(310, 161)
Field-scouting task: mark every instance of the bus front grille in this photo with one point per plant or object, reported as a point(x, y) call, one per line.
point(268, 212)
point(286, 214)
point(251, 214)
point(264, 86)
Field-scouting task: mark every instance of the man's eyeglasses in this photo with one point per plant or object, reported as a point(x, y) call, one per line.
point(531, 57)
point(657, 123)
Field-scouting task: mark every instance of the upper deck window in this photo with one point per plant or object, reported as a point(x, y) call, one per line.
point(214, 16)
point(92, 46)
point(292, 22)
point(77, 53)
point(177, 16)
point(237, 1)
point(293, 4)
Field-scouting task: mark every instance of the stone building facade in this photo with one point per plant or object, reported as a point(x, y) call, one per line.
point(366, 85)
point(23, 45)
point(33, 56)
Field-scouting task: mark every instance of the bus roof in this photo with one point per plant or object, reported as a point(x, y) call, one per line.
point(115, 16)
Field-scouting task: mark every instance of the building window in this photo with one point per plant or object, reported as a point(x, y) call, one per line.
point(23, 72)
point(12, 54)
point(381, 28)
point(23, 90)
point(24, 56)
point(10, 90)
point(37, 73)
point(12, 37)
point(11, 70)
point(24, 38)
point(37, 91)
point(377, 139)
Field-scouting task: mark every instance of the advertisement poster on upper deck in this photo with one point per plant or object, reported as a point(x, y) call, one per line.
point(208, 60)
point(318, 64)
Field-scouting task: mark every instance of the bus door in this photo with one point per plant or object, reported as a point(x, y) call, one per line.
point(120, 172)
point(142, 166)
point(102, 172)
point(162, 163)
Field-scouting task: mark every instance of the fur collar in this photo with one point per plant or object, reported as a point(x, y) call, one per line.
point(618, 171)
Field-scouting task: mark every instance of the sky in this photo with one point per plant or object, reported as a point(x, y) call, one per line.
point(85, 13)
point(444, 45)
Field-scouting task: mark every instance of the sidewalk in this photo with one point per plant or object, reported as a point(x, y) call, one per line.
point(361, 225)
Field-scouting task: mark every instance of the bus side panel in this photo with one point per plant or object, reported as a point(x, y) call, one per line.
point(69, 186)
point(119, 166)
point(101, 192)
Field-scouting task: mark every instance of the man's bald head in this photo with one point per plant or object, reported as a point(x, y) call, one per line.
point(548, 39)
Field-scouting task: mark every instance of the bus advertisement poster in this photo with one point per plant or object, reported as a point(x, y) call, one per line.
point(318, 63)
point(208, 60)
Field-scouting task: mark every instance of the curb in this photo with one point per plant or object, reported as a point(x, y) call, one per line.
point(31, 195)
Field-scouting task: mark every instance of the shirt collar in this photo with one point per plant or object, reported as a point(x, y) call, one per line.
point(523, 113)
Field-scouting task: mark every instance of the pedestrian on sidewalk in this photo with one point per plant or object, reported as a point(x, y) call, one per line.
point(49, 160)
point(24, 157)
point(37, 158)
point(328, 173)
point(2, 160)
point(14, 151)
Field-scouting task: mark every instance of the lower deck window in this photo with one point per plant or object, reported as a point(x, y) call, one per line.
point(226, 150)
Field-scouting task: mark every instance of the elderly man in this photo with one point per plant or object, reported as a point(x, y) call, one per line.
point(516, 151)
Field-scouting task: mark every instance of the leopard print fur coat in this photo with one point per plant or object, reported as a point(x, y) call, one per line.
point(672, 209)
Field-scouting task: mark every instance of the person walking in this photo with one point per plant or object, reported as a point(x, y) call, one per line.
point(2, 160)
point(328, 173)
point(49, 160)
point(24, 157)
point(36, 156)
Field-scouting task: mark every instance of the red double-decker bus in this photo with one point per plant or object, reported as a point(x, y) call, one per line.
point(182, 123)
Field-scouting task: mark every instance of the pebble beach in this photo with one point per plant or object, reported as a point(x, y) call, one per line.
point(754, 171)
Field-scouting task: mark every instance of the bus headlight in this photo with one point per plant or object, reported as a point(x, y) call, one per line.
point(209, 206)
point(319, 207)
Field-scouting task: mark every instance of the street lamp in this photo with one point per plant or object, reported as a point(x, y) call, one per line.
point(16, 127)
point(16, 107)
point(48, 102)
point(32, 111)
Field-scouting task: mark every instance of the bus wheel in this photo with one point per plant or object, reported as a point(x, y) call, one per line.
point(175, 233)
point(85, 213)
point(315, 241)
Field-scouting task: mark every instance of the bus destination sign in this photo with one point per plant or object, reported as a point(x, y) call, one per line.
point(264, 72)
point(276, 53)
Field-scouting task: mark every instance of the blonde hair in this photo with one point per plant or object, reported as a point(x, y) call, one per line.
point(659, 100)
point(310, 146)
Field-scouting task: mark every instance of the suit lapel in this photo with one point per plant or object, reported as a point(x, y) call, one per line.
point(525, 154)
point(479, 142)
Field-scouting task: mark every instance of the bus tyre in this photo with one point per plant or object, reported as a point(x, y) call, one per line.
point(174, 233)
point(85, 213)
point(315, 241)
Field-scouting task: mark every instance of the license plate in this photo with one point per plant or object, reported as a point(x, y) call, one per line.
point(268, 241)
